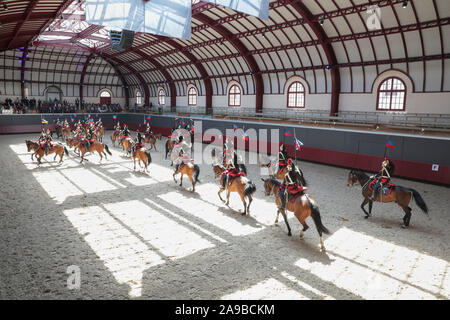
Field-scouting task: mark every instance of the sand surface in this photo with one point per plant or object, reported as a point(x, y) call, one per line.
point(136, 235)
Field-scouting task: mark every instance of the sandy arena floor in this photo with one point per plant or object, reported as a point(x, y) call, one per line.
point(135, 235)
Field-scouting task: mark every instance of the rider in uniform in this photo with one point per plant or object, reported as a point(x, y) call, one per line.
point(48, 141)
point(383, 177)
point(117, 129)
point(282, 158)
point(148, 133)
point(139, 144)
point(232, 169)
point(125, 133)
point(42, 140)
point(89, 139)
point(291, 183)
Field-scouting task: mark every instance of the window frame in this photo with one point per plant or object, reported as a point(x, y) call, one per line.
point(139, 97)
point(195, 94)
point(234, 94)
point(161, 95)
point(296, 93)
point(379, 90)
point(107, 91)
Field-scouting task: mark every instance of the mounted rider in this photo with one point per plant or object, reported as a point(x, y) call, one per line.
point(291, 183)
point(282, 158)
point(139, 144)
point(99, 124)
point(232, 170)
point(228, 151)
point(57, 124)
point(182, 159)
point(383, 177)
point(117, 129)
point(125, 133)
point(42, 139)
point(65, 124)
point(148, 132)
point(89, 140)
point(48, 141)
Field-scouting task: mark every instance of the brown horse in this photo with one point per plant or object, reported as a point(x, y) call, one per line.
point(58, 131)
point(151, 140)
point(169, 147)
point(280, 173)
point(100, 134)
point(58, 150)
point(127, 145)
point(191, 170)
point(115, 138)
point(241, 184)
point(65, 133)
point(400, 195)
point(303, 206)
point(95, 146)
point(142, 155)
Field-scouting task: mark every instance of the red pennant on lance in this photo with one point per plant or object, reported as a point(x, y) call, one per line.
point(287, 133)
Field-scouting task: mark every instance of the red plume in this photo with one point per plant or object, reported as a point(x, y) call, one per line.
point(289, 161)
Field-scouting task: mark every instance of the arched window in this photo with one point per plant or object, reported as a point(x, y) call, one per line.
point(234, 96)
point(192, 96)
point(391, 95)
point(105, 94)
point(296, 95)
point(138, 97)
point(161, 97)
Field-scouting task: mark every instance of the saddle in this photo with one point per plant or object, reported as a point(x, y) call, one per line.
point(387, 188)
point(233, 175)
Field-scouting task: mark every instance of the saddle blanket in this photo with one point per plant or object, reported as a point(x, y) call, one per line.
point(387, 189)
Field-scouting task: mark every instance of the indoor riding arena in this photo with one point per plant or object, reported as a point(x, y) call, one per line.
point(225, 150)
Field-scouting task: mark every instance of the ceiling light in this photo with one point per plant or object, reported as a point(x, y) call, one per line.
point(405, 4)
point(321, 22)
point(5, 6)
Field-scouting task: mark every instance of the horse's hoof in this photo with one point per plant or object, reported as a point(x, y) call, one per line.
point(366, 217)
point(404, 226)
point(302, 234)
point(289, 234)
point(323, 250)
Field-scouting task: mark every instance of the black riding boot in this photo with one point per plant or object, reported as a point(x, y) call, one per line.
point(224, 181)
point(375, 193)
point(283, 201)
point(46, 149)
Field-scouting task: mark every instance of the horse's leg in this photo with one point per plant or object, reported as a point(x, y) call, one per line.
point(407, 217)
point(220, 191)
point(250, 199)
point(370, 206)
point(100, 154)
point(134, 161)
point(192, 181)
point(366, 200)
point(243, 201)
point(276, 219)
point(176, 172)
point(283, 213)
point(305, 227)
point(181, 180)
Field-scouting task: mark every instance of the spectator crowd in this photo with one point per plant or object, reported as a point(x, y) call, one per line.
point(31, 105)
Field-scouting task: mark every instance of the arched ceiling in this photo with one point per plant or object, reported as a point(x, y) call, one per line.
point(324, 41)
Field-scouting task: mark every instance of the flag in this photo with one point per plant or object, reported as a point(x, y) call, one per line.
point(114, 117)
point(298, 144)
point(148, 118)
point(245, 137)
point(235, 127)
point(287, 133)
point(390, 145)
point(145, 121)
point(44, 121)
point(71, 119)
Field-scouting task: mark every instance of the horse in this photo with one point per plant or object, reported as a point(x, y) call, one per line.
point(114, 138)
point(127, 145)
point(151, 140)
point(65, 133)
point(400, 195)
point(279, 173)
point(58, 131)
point(100, 134)
point(169, 147)
point(58, 149)
point(191, 170)
point(240, 184)
point(303, 206)
point(95, 146)
point(142, 155)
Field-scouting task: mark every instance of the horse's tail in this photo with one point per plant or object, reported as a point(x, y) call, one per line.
point(107, 149)
point(149, 157)
point(196, 172)
point(167, 149)
point(417, 197)
point(249, 188)
point(302, 177)
point(315, 214)
point(67, 152)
